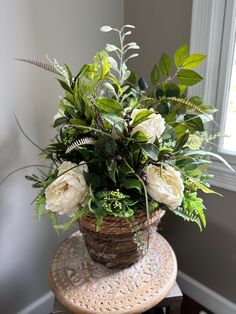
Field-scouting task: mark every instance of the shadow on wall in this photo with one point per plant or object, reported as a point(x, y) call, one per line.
point(208, 256)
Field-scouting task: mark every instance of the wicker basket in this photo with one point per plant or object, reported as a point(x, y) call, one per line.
point(119, 242)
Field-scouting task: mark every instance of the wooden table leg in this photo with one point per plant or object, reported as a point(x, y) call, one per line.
point(173, 308)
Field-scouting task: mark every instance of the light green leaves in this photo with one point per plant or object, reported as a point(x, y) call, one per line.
point(188, 77)
point(205, 189)
point(193, 61)
point(140, 137)
point(109, 105)
point(165, 65)
point(181, 55)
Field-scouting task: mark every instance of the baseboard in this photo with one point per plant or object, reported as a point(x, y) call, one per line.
point(42, 305)
point(205, 296)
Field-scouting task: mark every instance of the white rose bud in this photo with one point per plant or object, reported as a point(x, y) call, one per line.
point(166, 187)
point(68, 191)
point(153, 127)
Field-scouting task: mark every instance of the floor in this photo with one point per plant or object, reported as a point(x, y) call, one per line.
point(189, 306)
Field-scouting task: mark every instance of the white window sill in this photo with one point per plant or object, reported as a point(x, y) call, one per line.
point(223, 177)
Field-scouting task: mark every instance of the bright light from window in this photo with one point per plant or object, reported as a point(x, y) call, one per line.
point(229, 142)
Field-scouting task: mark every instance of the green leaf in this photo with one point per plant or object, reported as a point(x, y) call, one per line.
point(126, 168)
point(194, 123)
point(193, 61)
point(141, 117)
point(109, 105)
point(182, 89)
point(208, 108)
point(188, 77)
point(132, 78)
point(65, 86)
point(172, 90)
point(133, 183)
point(181, 141)
point(205, 189)
point(194, 208)
point(120, 128)
point(111, 168)
point(165, 65)
point(155, 75)
point(150, 150)
point(206, 153)
point(180, 130)
point(77, 121)
point(159, 92)
point(139, 136)
point(181, 55)
point(109, 146)
point(197, 100)
point(70, 76)
point(105, 65)
point(93, 179)
point(60, 121)
point(112, 118)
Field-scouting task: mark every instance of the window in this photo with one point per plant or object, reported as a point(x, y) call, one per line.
point(227, 79)
point(213, 32)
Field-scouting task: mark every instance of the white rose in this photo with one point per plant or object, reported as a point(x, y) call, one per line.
point(68, 191)
point(168, 188)
point(153, 127)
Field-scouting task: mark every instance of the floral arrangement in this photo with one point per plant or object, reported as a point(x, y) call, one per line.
point(122, 147)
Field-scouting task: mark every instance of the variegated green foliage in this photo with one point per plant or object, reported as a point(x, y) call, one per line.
point(95, 124)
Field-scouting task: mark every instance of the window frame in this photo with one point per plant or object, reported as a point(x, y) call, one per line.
point(211, 33)
point(225, 72)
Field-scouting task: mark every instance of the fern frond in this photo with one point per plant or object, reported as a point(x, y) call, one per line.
point(189, 216)
point(80, 142)
point(40, 64)
point(185, 102)
point(201, 215)
point(63, 71)
point(39, 206)
point(72, 222)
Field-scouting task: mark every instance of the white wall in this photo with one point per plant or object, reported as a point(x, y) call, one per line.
point(69, 31)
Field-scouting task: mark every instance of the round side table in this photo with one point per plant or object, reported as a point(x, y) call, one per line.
point(86, 287)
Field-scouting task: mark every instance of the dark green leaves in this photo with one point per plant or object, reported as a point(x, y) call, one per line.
point(181, 141)
point(109, 105)
point(125, 168)
point(141, 116)
point(194, 123)
point(165, 65)
point(188, 77)
point(150, 150)
point(181, 55)
point(65, 86)
point(172, 90)
point(155, 75)
point(60, 121)
point(133, 183)
point(111, 169)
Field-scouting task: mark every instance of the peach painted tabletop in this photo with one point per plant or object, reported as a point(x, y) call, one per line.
point(86, 287)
